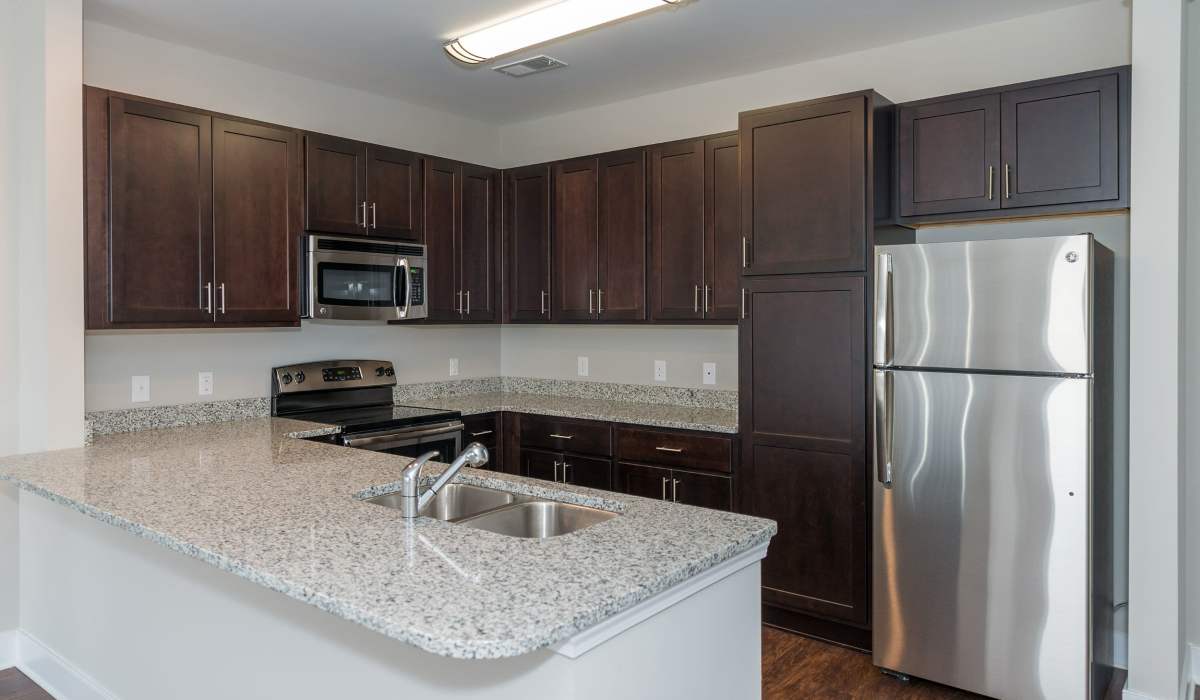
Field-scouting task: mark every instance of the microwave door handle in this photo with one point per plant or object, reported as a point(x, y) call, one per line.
point(402, 266)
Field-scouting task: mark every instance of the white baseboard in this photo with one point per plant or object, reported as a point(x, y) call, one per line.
point(1128, 694)
point(57, 676)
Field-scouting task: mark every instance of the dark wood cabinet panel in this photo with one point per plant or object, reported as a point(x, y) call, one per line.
point(256, 178)
point(591, 472)
point(722, 223)
point(335, 174)
point(642, 480)
point(621, 286)
point(804, 186)
point(950, 156)
point(677, 230)
point(393, 193)
point(674, 448)
point(483, 428)
point(575, 240)
point(477, 248)
point(160, 217)
point(441, 196)
point(537, 464)
point(567, 435)
point(1060, 142)
point(527, 216)
point(703, 490)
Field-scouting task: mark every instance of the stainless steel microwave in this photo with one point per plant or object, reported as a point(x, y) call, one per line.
point(359, 279)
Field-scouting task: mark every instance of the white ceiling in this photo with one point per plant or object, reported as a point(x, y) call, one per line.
point(393, 47)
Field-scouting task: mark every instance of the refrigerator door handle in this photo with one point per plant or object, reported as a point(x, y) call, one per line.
point(883, 427)
point(884, 312)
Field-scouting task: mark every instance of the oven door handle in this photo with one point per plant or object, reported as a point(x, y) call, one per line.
point(398, 291)
point(367, 441)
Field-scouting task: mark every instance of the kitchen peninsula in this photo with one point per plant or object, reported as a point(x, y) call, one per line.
point(664, 592)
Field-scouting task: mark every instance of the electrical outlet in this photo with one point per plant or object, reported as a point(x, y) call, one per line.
point(583, 366)
point(709, 373)
point(141, 388)
point(660, 370)
point(205, 381)
point(453, 366)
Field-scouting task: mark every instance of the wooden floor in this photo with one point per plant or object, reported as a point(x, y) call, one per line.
point(15, 685)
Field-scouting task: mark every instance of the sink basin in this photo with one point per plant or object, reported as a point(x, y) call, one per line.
point(455, 501)
point(538, 519)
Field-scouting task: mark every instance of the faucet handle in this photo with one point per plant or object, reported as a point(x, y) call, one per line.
point(411, 476)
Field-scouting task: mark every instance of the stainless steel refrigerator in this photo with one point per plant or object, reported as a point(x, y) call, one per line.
point(990, 379)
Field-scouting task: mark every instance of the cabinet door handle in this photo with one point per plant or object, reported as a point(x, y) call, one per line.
point(481, 433)
point(991, 175)
point(565, 478)
point(1007, 182)
point(743, 302)
point(556, 436)
point(222, 288)
point(373, 219)
point(695, 298)
point(468, 302)
point(556, 471)
point(590, 304)
point(675, 490)
point(706, 299)
point(364, 213)
point(672, 450)
point(599, 301)
point(543, 302)
point(460, 306)
point(206, 298)
point(664, 487)
point(745, 256)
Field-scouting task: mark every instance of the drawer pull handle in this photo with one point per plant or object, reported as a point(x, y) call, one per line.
point(672, 450)
point(561, 437)
point(481, 433)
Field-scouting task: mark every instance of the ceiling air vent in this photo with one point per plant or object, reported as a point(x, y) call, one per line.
point(529, 66)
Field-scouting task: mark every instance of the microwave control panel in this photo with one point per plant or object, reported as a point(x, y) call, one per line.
point(416, 286)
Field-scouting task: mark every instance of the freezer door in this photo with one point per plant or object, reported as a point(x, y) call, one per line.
point(981, 541)
point(1020, 305)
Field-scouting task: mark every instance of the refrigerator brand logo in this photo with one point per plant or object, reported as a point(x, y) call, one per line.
point(1072, 256)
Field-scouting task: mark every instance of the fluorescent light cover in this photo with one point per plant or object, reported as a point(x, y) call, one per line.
point(542, 25)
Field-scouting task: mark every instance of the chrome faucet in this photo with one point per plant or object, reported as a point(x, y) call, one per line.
point(411, 498)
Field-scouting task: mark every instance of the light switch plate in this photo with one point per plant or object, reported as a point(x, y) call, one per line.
point(710, 373)
point(205, 383)
point(140, 388)
point(660, 370)
point(453, 366)
point(583, 366)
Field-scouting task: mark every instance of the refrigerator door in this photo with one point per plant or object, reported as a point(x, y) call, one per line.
point(1020, 305)
point(981, 541)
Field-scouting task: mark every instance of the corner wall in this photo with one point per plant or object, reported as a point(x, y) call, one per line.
point(1191, 351)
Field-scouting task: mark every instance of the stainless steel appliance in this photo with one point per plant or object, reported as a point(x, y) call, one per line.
point(990, 548)
point(361, 279)
point(356, 395)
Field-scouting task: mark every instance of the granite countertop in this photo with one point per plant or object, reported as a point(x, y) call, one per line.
point(248, 498)
point(717, 420)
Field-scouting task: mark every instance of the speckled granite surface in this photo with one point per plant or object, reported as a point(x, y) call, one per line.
point(631, 393)
point(246, 497)
point(716, 420)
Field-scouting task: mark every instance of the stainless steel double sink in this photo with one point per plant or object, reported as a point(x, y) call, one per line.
point(503, 512)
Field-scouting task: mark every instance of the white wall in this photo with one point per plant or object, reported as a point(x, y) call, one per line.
point(41, 253)
point(1083, 37)
point(1191, 305)
point(623, 354)
point(10, 559)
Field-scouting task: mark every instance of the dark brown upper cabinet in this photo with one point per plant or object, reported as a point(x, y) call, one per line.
point(950, 156)
point(805, 192)
point(460, 235)
point(192, 218)
point(694, 230)
point(358, 188)
point(575, 240)
point(1059, 145)
point(527, 231)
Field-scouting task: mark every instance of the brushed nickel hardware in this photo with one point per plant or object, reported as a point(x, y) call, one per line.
point(565, 479)
point(460, 302)
point(468, 302)
point(481, 433)
point(543, 302)
point(696, 299)
point(884, 344)
point(990, 177)
point(706, 299)
point(556, 436)
point(207, 303)
point(412, 500)
point(599, 301)
point(743, 302)
point(590, 305)
point(664, 488)
point(675, 490)
point(364, 213)
point(672, 450)
point(1007, 182)
point(373, 219)
point(222, 288)
point(745, 256)
point(883, 427)
point(556, 465)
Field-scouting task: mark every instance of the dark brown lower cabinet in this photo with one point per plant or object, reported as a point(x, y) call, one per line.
point(487, 430)
point(677, 485)
point(566, 468)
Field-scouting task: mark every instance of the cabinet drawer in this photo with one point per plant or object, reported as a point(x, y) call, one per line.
point(689, 450)
point(568, 435)
point(483, 428)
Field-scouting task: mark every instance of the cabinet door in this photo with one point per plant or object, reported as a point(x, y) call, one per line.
point(677, 230)
point(1060, 142)
point(704, 490)
point(803, 413)
point(591, 472)
point(477, 242)
point(640, 480)
point(393, 193)
point(950, 156)
point(335, 176)
point(160, 248)
point(541, 465)
point(575, 240)
point(803, 186)
point(527, 213)
point(441, 198)
point(621, 290)
point(256, 222)
point(722, 229)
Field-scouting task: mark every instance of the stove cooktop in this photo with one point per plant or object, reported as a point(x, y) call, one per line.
point(372, 418)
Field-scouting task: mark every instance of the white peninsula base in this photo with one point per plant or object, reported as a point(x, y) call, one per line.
point(106, 614)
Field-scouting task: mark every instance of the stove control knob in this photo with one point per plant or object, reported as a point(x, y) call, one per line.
point(379, 371)
point(300, 377)
point(287, 378)
point(390, 372)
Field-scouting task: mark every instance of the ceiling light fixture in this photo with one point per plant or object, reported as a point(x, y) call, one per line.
point(539, 26)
